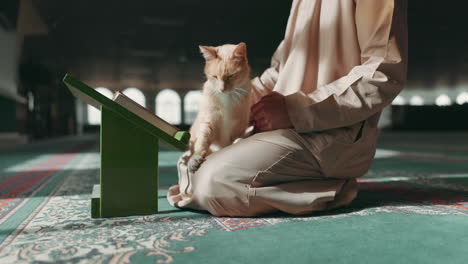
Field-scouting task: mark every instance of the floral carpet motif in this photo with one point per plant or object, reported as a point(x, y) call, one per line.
point(45, 201)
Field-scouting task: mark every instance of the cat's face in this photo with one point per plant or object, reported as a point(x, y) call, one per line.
point(226, 66)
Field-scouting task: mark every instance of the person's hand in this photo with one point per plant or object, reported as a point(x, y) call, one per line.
point(270, 113)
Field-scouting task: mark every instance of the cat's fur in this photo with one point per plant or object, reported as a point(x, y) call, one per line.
point(225, 106)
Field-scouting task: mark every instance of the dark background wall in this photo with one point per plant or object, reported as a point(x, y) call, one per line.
point(120, 40)
point(153, 45)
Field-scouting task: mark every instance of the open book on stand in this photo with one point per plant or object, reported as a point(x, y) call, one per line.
point(144, 113)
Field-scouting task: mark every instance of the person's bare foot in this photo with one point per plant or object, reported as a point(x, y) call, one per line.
point(346, 195)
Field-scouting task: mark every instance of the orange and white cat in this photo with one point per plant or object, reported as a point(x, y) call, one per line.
point(225, 106)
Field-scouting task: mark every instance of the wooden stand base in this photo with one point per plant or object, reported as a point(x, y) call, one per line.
point(129, 169)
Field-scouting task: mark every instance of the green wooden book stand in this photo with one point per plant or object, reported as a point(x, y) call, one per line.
point(129, 157)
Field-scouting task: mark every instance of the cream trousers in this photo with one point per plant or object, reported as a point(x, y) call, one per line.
point(267, 172)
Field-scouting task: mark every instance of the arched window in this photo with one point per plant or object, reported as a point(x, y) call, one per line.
point(443, 100)
point(136, 95)
point(416, 100)
point(399, 100)
point(168, 106)
point(94, 115)
point(462, 98)
point(191, 105)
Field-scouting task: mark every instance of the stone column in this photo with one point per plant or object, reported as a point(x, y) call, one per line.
point(182, 106)
point(150, 100)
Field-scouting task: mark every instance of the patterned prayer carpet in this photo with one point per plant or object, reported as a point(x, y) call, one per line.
point(412, 208)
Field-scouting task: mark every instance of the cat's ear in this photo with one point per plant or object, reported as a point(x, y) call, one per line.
point(208, 52)
point(240, 52)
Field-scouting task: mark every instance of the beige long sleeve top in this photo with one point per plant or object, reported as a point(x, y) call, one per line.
point(340, 62)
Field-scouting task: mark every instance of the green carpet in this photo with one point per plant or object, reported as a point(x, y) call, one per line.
point(412, 208)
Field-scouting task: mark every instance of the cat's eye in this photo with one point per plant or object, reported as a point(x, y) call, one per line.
point(229, 76)
point(214, 76)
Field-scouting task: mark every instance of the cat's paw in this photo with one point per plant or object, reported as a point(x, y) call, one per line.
point(194, 162)
point(185, 157)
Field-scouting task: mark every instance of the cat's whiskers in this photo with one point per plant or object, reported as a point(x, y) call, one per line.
point(239, 93)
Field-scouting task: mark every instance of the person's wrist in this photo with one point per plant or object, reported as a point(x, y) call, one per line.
point(289, 123)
